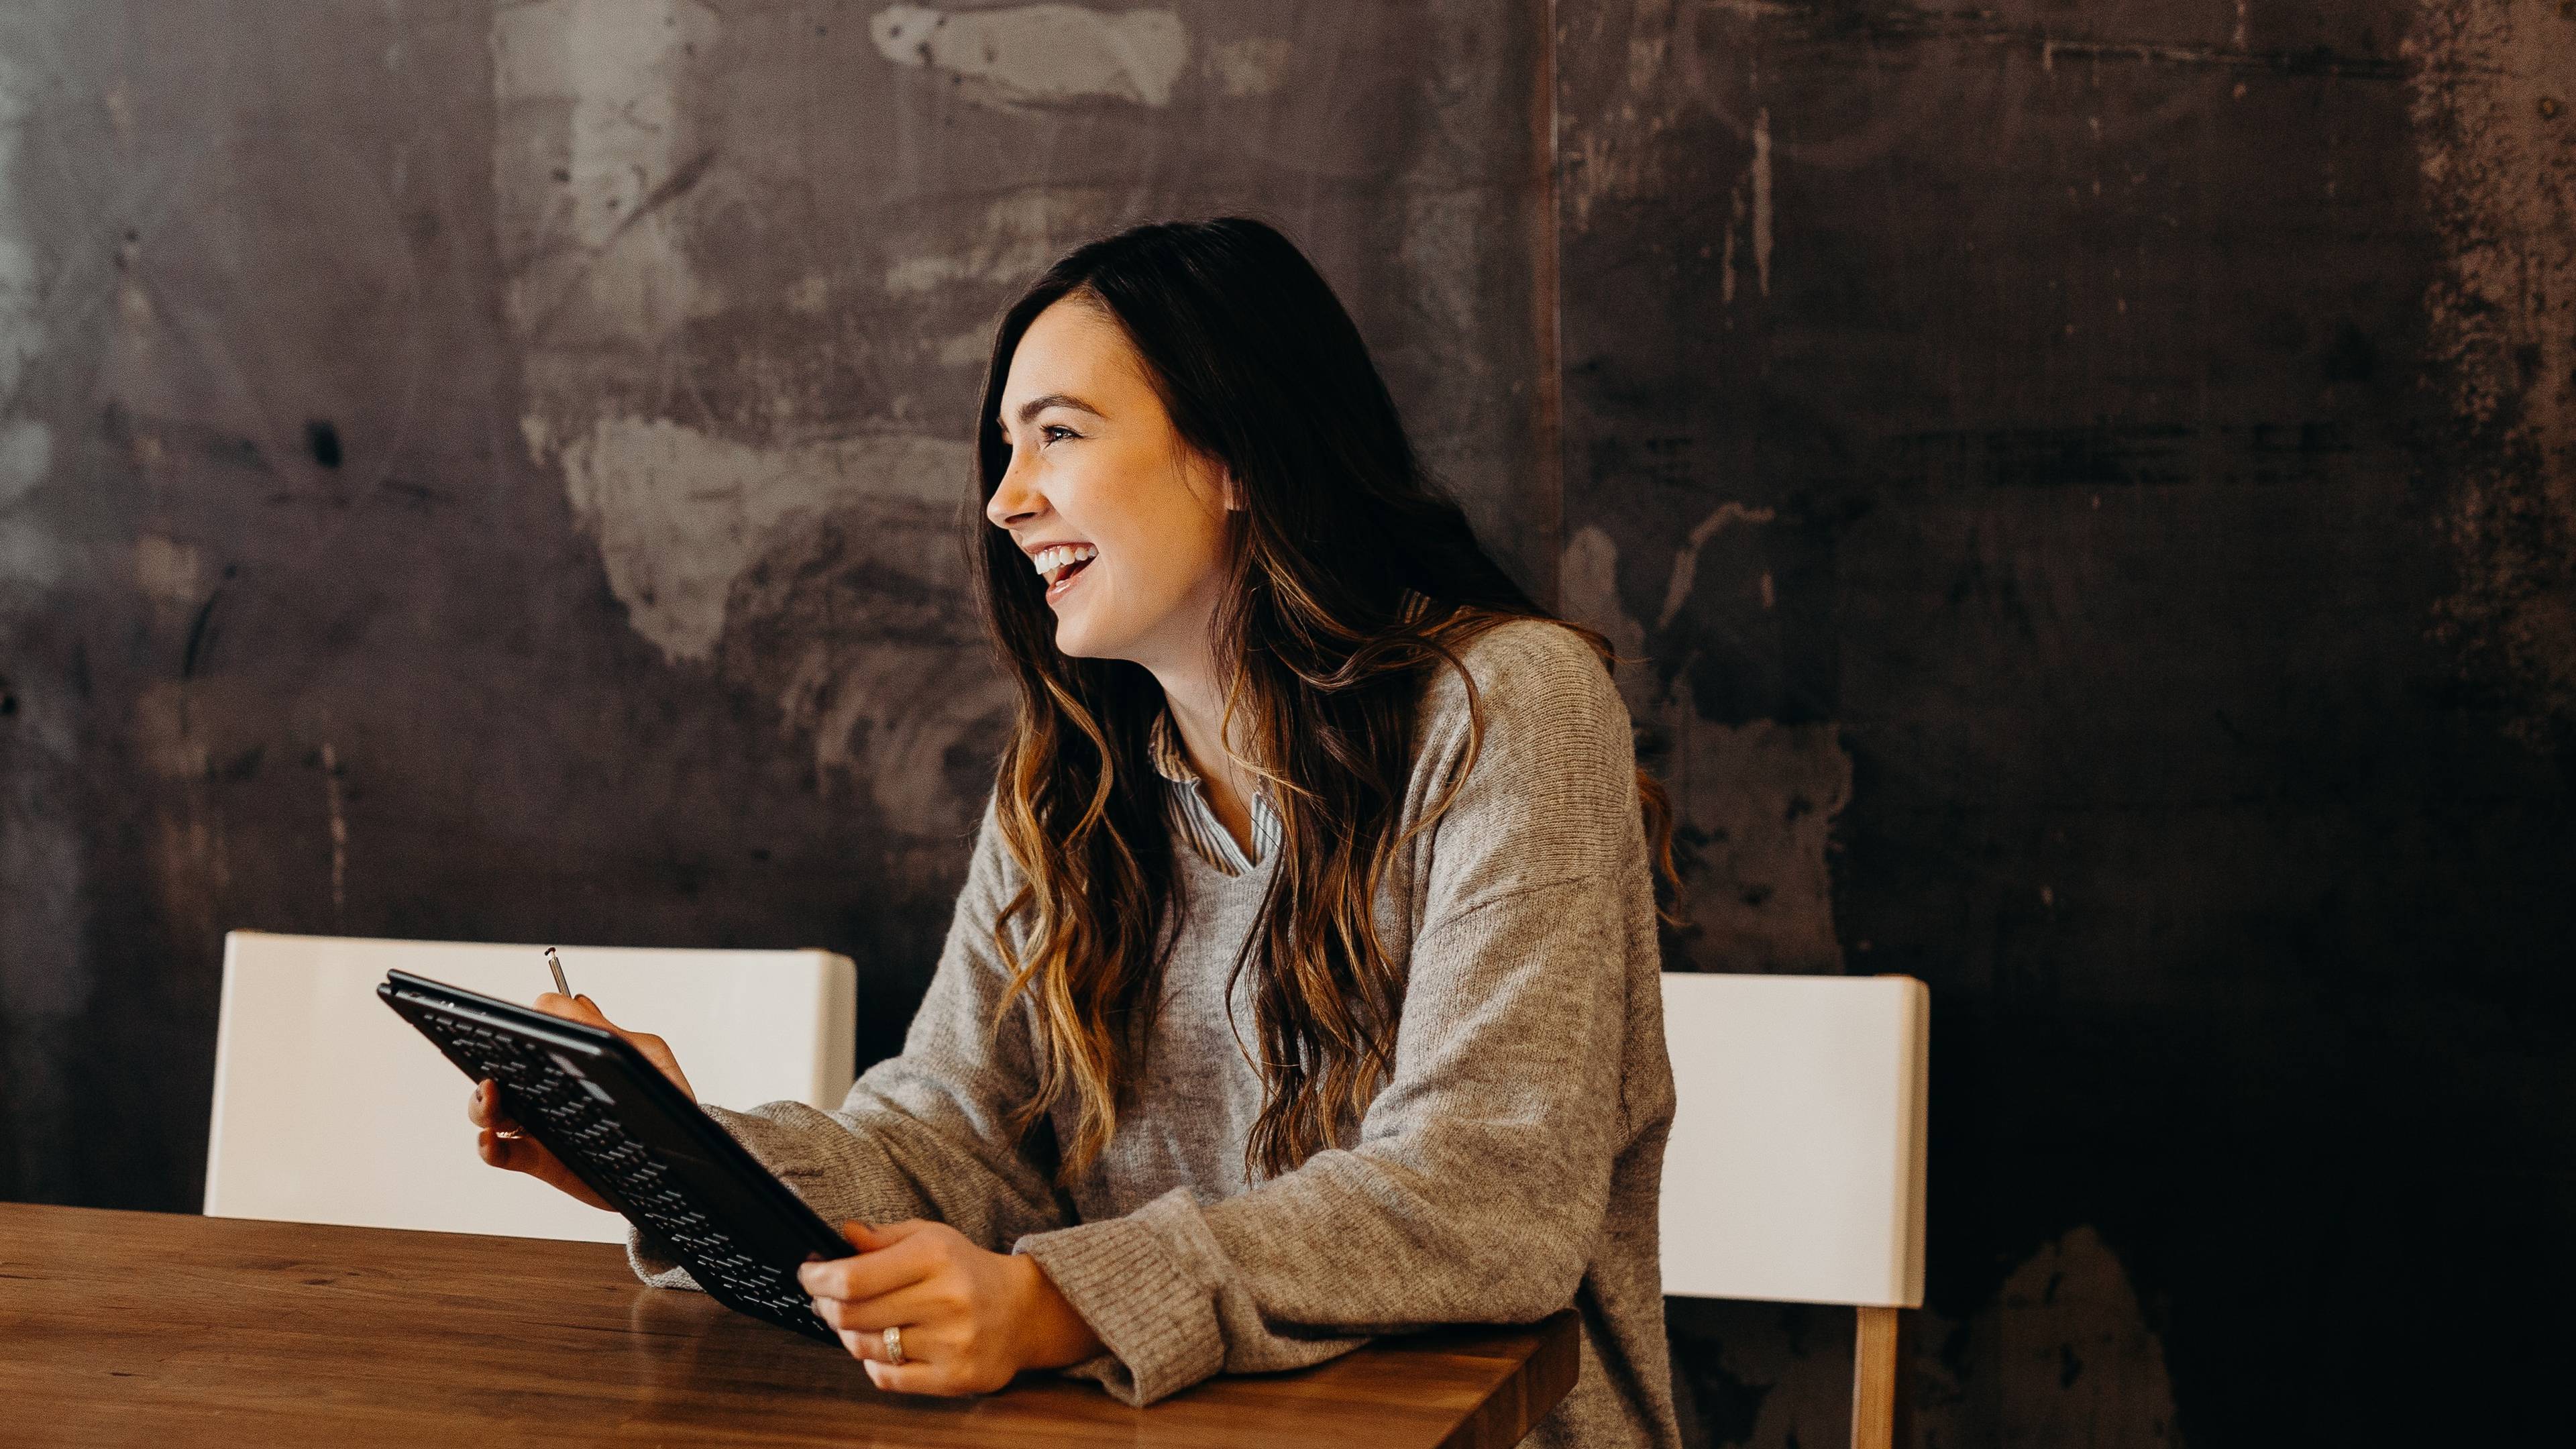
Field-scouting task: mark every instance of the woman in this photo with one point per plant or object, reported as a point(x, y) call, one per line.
point(1303, 986)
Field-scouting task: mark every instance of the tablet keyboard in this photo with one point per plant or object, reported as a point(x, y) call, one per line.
point(546, 1087)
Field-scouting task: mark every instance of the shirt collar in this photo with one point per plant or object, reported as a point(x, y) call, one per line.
point(1163, 748)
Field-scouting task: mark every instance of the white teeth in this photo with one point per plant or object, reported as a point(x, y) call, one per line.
point(1063, 555)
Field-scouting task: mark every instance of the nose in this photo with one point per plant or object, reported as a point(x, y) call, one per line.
point(1014, 501)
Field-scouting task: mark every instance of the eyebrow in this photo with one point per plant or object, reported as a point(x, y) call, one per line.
point(1036, 405)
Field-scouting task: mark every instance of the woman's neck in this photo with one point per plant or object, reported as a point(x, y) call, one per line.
point(1196, 699)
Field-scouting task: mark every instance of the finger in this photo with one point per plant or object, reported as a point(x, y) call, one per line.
point(585, 1010)
point(915, 1378)
point(501, 1152)
point(866, 1237)
point(659, 1053)
point(519, 1154)
point(484, 1108)
point(571, 1008)
point(515, 1154)
point(884, 1235)
point(870, 1274)
point(919, 1305)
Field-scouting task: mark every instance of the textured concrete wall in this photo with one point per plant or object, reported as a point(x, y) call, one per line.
point(2087, 487)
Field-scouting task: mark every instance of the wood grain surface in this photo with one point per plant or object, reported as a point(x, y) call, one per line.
point(133, 1328)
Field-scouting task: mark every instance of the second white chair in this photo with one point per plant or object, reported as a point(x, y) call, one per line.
point(1795, 1170)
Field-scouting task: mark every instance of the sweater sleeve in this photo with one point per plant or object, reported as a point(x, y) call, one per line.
point(925, 1134)
point(1478, 1184)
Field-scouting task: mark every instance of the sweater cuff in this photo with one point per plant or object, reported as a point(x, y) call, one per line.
point(1159, 1326)
point(651, 1259)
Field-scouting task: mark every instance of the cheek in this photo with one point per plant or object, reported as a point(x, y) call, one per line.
point(1163, 545)
point(1172, 568)
point(1190, 535)
point(1207, 551)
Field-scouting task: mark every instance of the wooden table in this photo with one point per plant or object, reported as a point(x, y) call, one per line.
point(152, 1328)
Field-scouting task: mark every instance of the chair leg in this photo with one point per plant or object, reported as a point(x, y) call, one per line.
point(1874, 1358)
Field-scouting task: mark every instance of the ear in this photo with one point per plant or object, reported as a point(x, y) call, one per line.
point(1233, 491)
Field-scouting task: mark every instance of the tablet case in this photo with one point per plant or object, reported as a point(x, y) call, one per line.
point(638, 1141)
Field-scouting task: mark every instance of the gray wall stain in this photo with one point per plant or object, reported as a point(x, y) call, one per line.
point(26, 443)
point(1754, 801)
point(1035, 54)
point(679, 514)
point(2069, 1314)
point(1257, 66)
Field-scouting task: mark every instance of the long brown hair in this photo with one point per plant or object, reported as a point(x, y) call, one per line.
point(1326, 649)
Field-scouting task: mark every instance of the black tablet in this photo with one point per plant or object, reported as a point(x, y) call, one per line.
point(626, 1130)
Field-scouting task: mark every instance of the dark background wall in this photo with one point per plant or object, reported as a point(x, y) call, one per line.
point(2087, 487)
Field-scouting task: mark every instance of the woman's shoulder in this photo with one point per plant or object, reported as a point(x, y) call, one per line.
point(1536, 682)
point(1537, 666)
point(1538, 762)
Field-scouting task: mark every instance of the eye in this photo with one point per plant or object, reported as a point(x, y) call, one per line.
point(1054, 432)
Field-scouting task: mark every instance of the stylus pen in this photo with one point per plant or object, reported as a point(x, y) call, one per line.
point(554, 964)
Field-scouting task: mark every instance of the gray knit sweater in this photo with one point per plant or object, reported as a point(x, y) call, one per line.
point(1509, 1167)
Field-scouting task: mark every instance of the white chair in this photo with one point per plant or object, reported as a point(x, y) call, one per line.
point(1796, 1164)
point(331, 1109)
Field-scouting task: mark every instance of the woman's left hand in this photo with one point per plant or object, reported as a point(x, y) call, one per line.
point(970, 1319)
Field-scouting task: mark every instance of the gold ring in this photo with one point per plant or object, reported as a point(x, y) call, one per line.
point(894, 1346)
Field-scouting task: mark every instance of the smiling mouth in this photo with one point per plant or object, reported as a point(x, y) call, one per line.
point(1059, 565)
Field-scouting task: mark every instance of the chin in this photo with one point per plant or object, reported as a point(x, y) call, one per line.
point(1075, 639)
point(1097, 624)
point(1081, 636)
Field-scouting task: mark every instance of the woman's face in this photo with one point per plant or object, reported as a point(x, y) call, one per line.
point(1124, 520)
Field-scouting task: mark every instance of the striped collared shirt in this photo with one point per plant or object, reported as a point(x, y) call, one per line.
point(1196, 818)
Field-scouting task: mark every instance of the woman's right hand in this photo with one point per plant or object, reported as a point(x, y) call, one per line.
point(500, 1142)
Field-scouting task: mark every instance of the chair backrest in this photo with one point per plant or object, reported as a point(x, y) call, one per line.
point(331, 1109)
point(1796, 1164)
